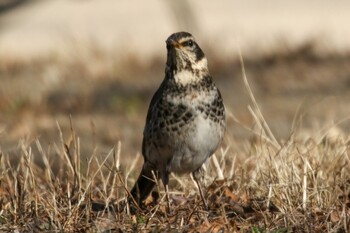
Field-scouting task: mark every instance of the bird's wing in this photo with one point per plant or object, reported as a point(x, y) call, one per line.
point(155, 99)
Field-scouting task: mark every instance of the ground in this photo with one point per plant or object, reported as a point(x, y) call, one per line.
point(71, 130)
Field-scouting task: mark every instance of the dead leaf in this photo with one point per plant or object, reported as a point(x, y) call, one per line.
point(231, 195)
point(334, 217)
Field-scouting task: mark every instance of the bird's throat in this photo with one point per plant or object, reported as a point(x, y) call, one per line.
point(187, 77)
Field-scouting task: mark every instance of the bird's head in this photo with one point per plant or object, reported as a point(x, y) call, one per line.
point(186, 61)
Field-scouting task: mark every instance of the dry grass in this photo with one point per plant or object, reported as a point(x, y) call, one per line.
point(301, 184)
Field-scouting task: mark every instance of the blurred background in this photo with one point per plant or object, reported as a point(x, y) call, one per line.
point(99, 62)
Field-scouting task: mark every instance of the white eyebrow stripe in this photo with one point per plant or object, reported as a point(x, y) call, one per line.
point(185, 39)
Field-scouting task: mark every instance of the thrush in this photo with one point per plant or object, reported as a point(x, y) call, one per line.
point(185, 122)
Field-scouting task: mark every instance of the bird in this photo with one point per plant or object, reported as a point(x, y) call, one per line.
point(185, 122)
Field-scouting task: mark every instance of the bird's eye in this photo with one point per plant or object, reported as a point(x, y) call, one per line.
point(188, 43)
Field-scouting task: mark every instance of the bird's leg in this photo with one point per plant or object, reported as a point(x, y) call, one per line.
point(200, 190)
point(166, 187)
point(167, 198)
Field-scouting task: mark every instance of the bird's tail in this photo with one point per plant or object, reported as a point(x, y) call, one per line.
point(143, 186)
